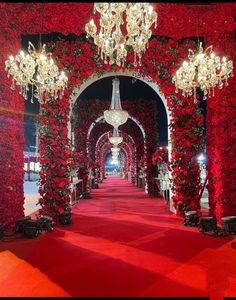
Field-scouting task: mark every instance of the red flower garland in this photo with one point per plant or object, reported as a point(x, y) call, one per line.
point(160, 156)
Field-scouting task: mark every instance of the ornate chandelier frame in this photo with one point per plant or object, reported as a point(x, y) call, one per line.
point(38, 69)
point(205, 70)
point(116, 35)
point(115, 116)
point(115, 139)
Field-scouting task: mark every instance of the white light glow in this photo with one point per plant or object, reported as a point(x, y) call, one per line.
point(201, 157)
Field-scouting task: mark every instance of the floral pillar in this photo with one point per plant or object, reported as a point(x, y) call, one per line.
point(11, 140)
point(186, 132)
point(221, 138)
point(54, 156)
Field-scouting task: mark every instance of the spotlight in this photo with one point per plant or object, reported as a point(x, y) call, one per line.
point(32, 228)
point(21, 223)
point(46, 223)
point(65, 218)
point(191, 218)
point(207, 225)
point(229, 224)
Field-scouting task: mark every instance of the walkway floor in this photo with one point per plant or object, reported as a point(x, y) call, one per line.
point(121, 243)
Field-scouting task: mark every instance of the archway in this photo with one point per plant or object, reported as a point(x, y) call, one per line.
point(77, 91)
point(92, 79)
point(128, 146)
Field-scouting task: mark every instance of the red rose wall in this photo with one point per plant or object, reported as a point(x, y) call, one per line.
point(160, 62)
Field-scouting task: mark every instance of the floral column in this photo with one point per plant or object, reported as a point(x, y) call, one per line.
point(11, 140)
point(221, 138)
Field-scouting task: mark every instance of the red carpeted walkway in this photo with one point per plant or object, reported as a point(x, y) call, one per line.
point(121, 243)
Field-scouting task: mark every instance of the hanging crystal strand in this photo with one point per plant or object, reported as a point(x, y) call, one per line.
point(209, 93)
point(226, 81)
point(25, 93)
point(155, 26)
point(32, 94)
point(194, 95)
point(140, 59)
point(13, 84)
point(135, 63)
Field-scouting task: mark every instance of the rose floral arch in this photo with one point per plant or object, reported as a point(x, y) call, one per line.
point(62, 17)
point(128, 146)
point(87, 151)
point(93, 110)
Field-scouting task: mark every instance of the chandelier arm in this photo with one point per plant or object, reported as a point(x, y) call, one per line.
point(209, 48)
point(204, 70)
point(32, 46)
point(112, 43)
point(190, 53)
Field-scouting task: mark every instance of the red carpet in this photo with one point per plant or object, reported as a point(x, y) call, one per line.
point(121, 243)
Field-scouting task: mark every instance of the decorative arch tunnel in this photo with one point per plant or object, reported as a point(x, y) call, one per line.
point(144, 226)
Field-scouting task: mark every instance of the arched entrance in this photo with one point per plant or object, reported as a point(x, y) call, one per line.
point(95, 77)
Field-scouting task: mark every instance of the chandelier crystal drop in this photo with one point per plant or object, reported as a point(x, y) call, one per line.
point(115, 153)
point(205, 70)
point(116, 116)
point(117, 35)
point(115, 139)
point(38, 69)
point(115, 150)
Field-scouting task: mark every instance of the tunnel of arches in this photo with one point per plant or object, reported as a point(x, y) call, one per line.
point(90, 131)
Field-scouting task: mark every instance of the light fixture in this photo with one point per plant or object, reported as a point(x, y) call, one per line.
point(117, 35)
point(115, 139)
point(116, 115)
point(115, 150)
point(205, 70)
point(38, 69)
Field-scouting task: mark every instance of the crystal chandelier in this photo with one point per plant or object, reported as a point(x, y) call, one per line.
point(114, 38)
point(38, 69)
point(115, 139)
point(204, 70)
point(116, 115)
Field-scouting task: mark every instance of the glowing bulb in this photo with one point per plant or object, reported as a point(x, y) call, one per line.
point(150, 9)
point(42, 57)
point(201, 157)
point(200, 56)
